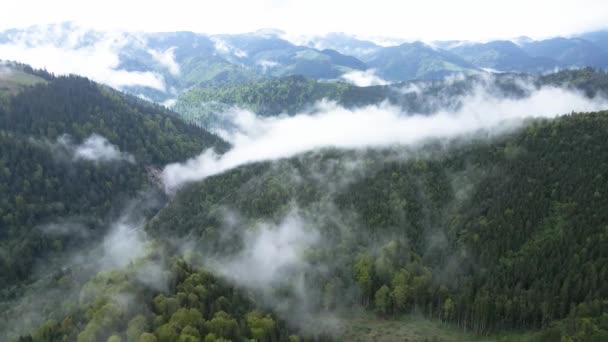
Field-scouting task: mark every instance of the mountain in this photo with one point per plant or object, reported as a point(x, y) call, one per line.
point(458, 236)
point(159, 66)
point(569, 52)
point(417, 60)
point(72, 154)
point(292, 95)
point(599, 38)
point(207, 106)
point(503, 56)
point(498, 236)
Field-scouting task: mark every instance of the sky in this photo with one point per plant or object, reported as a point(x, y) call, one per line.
point(426, 20)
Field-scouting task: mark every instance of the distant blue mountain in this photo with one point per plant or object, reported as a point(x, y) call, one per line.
point(569, 52)
point(417, 60)
point(181, 60)
point(503, 55)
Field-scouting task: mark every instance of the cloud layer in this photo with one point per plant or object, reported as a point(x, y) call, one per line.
point(259, 138)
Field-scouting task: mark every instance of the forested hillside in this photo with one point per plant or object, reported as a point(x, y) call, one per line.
point(486, 234)
point(489, 235)
point(296, 94)
point(43, 179)
point(206, 106)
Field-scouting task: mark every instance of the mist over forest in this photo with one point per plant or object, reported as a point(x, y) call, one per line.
point(262, 186)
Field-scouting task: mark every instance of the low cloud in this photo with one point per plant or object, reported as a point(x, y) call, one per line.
point(169, 103)
point(98, 148)
point(95, 148)
point(167, 59)
point(258, 138)
point(275, 260)
point(364, 78)
point(65, 228)
point(222, 46)
point(271, 252)
point(73, 50)
point(267, 65)
point(125, 244)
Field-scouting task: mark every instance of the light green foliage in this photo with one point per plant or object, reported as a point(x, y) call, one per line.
point(147, 337)
point(382, 300)
point(222, 325)
point(137, 326)
point(114, 338)
point(262, 326)
point(364, 273)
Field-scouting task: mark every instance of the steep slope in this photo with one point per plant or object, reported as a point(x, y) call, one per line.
point(74, 151)
point(410, 61)
point(504, 234)
point(14, 78)
point(207, 106)
point(271, 55)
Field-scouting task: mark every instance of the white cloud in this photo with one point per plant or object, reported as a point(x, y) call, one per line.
point(267, 65)
point(224, 47)
point(167, 59)
point(95, 148)
point(431, 19)
point(271, 138)
point(98, 148)
point(169, 103)
point(271, 252)
point(364, 78)
point(74, 50)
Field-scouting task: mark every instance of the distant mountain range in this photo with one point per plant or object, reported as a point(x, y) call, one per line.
point(160, 66)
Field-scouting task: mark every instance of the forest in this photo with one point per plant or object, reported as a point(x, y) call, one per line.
point(483, 233)
point(296, 94)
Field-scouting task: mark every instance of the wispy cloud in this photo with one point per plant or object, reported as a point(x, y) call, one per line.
point(167, 59)
point(73, 50)
point(223, 47)
point(259, 138)
point(270, 253)
point(95, 148)
point(364, 78)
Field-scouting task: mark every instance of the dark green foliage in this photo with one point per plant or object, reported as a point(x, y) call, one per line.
point(488, 235)
point(509, 234)
point(591, 81)
point(287, 95)
point(78, 107)
point(206, 106)
point(40, 186)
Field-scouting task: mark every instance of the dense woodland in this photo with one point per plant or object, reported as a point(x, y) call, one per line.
point(488, 234)
point(296, 94)
point(40, 185)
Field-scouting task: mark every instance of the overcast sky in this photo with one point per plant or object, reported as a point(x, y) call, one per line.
point(420, 19)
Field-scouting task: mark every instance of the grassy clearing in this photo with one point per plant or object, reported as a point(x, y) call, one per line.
point(12, 81)
point(368, 327)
